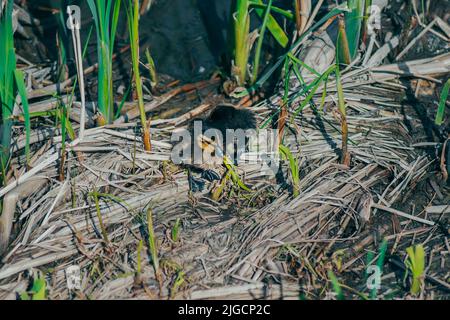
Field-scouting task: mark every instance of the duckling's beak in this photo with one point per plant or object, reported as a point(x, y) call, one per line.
point(209, 145)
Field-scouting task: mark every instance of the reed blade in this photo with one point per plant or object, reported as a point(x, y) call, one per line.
point(7, 94)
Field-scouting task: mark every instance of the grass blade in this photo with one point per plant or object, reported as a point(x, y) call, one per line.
point(106, 21)
point(7, 95)
point(442, 103)
point(260, 42)
point(416, 264)
point(273, 26)
point(294, 167)
point(241, 38)
point(336, 285)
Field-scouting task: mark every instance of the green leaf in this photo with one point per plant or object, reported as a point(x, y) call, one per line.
point(353, 23)
point(176, 230)
point(286, 13)
point(39, 289)
point(416, 264)
point(106, 21)
point(294, 167)
point(152, 240)
point(273, 26)
point(234, 176)
point(241, 38)
point(336, 285)
point(442, 104)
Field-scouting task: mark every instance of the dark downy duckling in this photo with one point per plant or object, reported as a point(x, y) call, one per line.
point(224, 117)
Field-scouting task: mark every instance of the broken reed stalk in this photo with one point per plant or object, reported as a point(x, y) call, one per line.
point(345, 157)
point(133, 28)
point(7, 96)
point(442, 103)
point(76, 38)
point(106, 19)
point(302, 8)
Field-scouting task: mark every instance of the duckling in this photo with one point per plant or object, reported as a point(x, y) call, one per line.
point(208, 137)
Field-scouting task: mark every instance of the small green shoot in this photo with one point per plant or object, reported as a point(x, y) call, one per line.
point(294, 168)
point(336, 285)
point(151, 68)
point(95, 196)
point(442, 104)
point(37, 292)
point(242, 41)
point(7, 94)
point(260, 42)
point(175, 234)
point(234, 175)
point(272, 25)
point(152, 242)
point(179, 281)
point(416, 265)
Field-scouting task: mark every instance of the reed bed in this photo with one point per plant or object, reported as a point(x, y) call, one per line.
point(61, 224)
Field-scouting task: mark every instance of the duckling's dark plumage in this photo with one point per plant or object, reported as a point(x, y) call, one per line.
point(223, 117)
point(228, 117)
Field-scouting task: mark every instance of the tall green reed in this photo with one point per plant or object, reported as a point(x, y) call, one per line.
point(106, 18)
point(133, 28)
point(242, 40)
point(7, 96)
point(260, 42)
point(353, 24)
point(272, 25)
